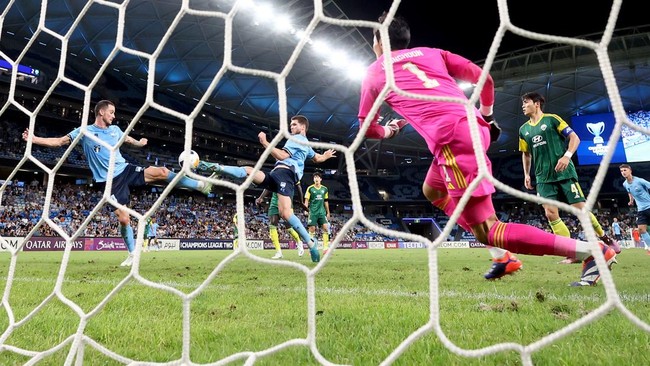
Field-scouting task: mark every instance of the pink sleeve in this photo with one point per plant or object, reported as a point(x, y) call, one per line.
point(461, 68)
point(368, 96)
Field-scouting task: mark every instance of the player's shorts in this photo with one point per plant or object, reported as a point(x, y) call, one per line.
point(643, 217)
point(280, 180)
point(454, 166)
point(567, 191)
point(132, 176)
point(317, 220)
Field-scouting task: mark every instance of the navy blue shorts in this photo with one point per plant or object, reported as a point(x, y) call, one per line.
point(643, 217)
point(281, 181)
point(132, 176)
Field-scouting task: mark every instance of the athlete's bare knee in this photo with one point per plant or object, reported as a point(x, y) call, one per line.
point(431, 193)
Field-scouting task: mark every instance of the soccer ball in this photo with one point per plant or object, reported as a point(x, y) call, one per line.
point(192, 158)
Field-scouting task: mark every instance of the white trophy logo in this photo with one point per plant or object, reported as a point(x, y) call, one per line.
point(596, 129)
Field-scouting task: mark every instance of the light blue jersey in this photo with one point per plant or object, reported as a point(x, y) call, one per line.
point(298, 153)
point(154, 229)
point(99, 156)
point(639, 189)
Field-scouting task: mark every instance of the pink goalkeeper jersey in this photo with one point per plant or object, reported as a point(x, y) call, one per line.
point(425, 71)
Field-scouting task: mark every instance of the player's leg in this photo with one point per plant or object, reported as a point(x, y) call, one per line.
point(145, 245)
point(154, 243)
point(273, 233)
point(576, 198)
point(554, 191)
point(238, 172)
point(155, 173)
point(435, 190)
point(274, 217)
point(126, 231)
point(558, 226)
point(131, 176)
point(285, 206)
point(311, 226)
point(326, 236)
point(296, 237)
point(642, 220)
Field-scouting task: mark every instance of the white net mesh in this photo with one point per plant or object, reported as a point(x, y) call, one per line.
point(80, 343)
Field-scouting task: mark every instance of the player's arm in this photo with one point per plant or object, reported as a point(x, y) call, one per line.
point(278, 154)
point(261, 197)
point(327, 208)
point(138, 143)
point(319, 158)
point(461, 68)
point(631, 202)
point(574, 141)
point(47, 141)
point(299, 196)
point(366, 101)
point(526, 161)
point(306, 200)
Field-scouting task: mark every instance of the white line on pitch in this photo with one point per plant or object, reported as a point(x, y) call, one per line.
point(365, 292)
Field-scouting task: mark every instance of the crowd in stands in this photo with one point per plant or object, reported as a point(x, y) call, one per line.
point(184, 214)
point(180, 215)
point(631, 137)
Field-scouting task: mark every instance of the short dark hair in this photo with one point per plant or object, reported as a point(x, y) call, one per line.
point(535, 97)
point(302, 120)
point(399, 32)
point(627, 166)
point(101, 105)
point(317, 174)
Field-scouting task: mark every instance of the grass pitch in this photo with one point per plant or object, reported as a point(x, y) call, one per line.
point(367, 303)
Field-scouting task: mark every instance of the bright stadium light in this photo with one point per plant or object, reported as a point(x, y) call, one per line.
point(263, 13)
point(282, 24)
point(321, 47)
point(355, 70)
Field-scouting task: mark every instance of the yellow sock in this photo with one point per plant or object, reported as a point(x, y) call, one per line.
point(145, 244)
point(275, 239)
point(326, 241)
point(597, 228)
point(294, 234)
point(235, 243)
point(559, 228)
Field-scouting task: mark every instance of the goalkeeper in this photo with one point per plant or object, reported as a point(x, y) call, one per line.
point(445, 128)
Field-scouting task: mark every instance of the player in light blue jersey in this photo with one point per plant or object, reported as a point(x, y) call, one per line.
point(150, 235)
point(638, 189)
point(288, 170)
point(125, 175)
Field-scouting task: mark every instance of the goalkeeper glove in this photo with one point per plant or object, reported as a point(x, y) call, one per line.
point(495, 130)
point(395, 126)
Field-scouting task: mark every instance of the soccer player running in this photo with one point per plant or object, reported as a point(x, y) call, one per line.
point(319, 209)
point(638, 189)
point(542, 141)
point(445, 128)
point(282, 179)
point(151, 232)
point(125, 175)
point(274, 219)
point(616, 230)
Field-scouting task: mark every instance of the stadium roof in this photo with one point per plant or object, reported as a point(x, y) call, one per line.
point(192, 57)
